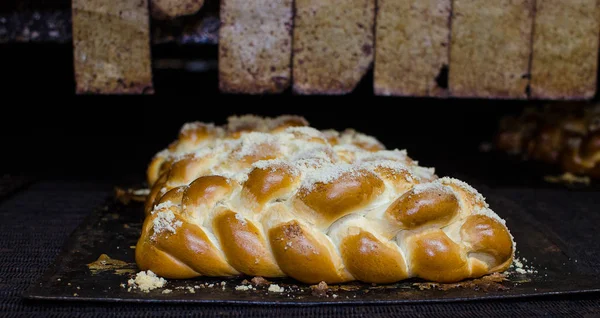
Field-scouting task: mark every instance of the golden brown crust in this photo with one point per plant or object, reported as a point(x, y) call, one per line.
point(155, 194)
point(187, 170)
point(435, 257)
point(255, 46)
point(174, 196)
point(153, 170)
point(490, 48)
point(203, 193)
point(412, 47)
point(351, 191)
point(333, 45)
point(302, 256)
point(274, 201)
point(267, 184)
point(369, 260)
point(148, 257)
point(244, 245)
point(188, 245)
point(487, 236)
point(434, 207)
point(565, 58)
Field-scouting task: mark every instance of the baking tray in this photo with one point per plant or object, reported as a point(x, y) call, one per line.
point(114, 228)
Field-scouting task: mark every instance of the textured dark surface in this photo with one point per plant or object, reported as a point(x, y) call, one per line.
point(46, 21)
point(10, 184)
point(114, 227)
point(37, 220)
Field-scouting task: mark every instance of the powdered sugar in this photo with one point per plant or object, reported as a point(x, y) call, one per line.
point(261, 124)
point(304, 130)
point(395, 155)
point(465, 186)
point(197, 125)
point(430, 186)
point(240, 176)
point(423, 172)
point(389, 164)
point(163, 206)
point(251, 143)
point(329, 173)
point(165, 221)
point(163, 153)
point(240, 218)
point(489, 213)
point(330, 133)
point(269, 164)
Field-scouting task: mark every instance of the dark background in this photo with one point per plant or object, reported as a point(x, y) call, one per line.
point(48, 131)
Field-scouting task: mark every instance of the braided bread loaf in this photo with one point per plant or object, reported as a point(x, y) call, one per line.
point(274, 197)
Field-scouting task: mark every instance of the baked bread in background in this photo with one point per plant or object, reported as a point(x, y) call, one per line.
point(255, 46)
point(490, 48)
point(565, 134)
point(412, 50)
point(274, 197)
point(333, 45)
point(565, 46)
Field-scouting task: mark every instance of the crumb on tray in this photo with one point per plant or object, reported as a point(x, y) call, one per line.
point(521, 268)
point(146, 281)
point(259, 281)
point(568, 178)
point(320, 289)
point(276, 288)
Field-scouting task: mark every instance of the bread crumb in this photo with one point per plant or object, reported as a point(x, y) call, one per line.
point(568, 178)
point(276, 288)
point(141, 192)
point(259, 281)
point(241, 218)
point(167, 291)
point(191, 290)
point(522, 268)
point(146, 281)
point(243, 287)
point(320, 289)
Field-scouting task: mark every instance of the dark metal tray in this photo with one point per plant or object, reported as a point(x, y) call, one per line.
point(114, 230)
